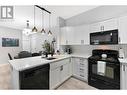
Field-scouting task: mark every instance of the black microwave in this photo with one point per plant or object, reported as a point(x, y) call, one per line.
point(104, 37)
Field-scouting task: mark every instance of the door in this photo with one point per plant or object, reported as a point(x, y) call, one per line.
point(54, 78)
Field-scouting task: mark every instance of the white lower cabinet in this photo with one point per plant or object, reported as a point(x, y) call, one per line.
point(59, 72)
point(64, 72)
point(123, 76)
point(80, 68)
point(54, 78)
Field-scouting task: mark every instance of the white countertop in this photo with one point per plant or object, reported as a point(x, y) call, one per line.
point(26, 63)
point(123, 60)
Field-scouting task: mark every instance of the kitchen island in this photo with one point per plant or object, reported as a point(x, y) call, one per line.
point(60, 69)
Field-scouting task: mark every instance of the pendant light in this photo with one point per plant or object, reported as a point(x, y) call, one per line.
point(49, 32)
point(43, 30)
point(27, 30)
point(34, 29)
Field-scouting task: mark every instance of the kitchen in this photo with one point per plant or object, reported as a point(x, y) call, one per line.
point(74, 43)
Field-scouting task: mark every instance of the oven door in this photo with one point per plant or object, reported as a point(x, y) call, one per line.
point(112, 71)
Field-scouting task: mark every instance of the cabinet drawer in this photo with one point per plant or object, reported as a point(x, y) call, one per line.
point(54, 65)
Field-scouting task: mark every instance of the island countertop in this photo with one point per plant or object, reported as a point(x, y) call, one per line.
point(26, 63)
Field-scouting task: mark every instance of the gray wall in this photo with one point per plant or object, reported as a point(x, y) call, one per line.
point(9, 33)
point(61, 22)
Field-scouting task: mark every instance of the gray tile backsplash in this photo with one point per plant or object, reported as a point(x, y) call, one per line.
point(87, 49)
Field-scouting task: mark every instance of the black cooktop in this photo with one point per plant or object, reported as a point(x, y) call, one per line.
point(112, 55)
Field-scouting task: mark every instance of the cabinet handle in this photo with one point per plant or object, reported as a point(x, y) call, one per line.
point(82, 41)
point(81, 64)
point(70, 60)
point(61, 68)
point(81, 75)
point(103, 28)
point(119, 39)
point(81, 69)
point(123, 67)
point(66, 42)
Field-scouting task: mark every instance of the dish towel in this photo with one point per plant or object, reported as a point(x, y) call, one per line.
point(101, 67)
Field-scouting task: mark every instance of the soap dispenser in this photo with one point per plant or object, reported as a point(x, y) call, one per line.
point(121, 53)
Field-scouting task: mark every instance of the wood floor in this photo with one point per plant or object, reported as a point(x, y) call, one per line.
point(75, 84)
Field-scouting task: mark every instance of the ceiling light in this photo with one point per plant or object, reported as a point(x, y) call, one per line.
point(43, 30)
point(27, 30)
point(49, 32)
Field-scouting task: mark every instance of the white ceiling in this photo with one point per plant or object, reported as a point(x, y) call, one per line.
point(23, 13)
point(68, 11)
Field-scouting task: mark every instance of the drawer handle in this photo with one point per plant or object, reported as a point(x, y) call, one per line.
point(82, 69)
point(81, 75)
point(81, 64)
point(61, 68)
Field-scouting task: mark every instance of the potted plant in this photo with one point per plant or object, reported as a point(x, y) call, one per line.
point(48, 48)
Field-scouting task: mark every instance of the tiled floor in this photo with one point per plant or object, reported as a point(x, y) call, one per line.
point(75, 84)
point(5, 76)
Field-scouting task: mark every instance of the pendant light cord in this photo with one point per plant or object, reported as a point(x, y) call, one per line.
point(49, 22)
point(42, 20)
point(34, 15)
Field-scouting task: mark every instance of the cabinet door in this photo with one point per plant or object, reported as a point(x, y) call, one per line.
point(64, 69)
point(110, 24)
point(63, 38)
point(75, 67)
point(86, 34)
point(54, 78)
point(81, 35)
point(70, 67)
point(96, 27)
point(123, 29)
point(124, 77)
point(70, 35)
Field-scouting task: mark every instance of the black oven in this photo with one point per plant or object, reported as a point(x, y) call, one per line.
point(111, 78)
point(104, 37)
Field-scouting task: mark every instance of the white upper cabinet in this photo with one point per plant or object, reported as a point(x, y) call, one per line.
point(105, 25)
point(96, 27)
point(77, 35)
point(122, 26)
point(81, 35)
point(63, 37)
point(110, 24)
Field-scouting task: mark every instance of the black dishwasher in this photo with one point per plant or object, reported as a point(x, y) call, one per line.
point(35, 78)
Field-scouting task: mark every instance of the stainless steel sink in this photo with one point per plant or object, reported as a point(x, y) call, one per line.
point(50, 58)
